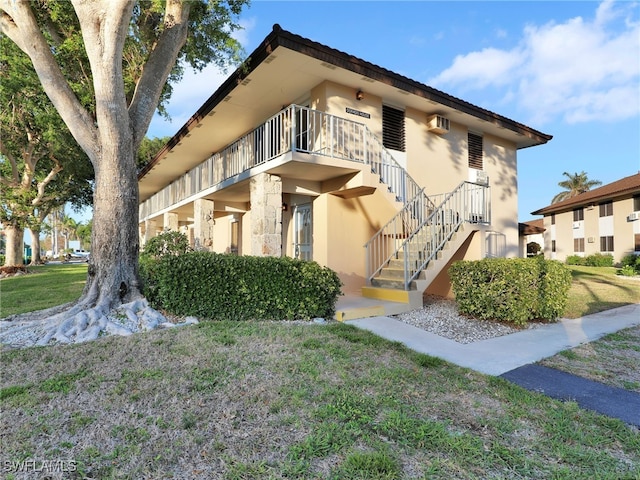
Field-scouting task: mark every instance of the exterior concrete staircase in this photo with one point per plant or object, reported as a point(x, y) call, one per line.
point(418, 256)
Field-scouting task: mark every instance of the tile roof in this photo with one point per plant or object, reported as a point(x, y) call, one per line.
point(625, 186)
point(531, 227)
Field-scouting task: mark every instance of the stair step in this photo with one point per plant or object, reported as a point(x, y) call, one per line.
point(387, 282)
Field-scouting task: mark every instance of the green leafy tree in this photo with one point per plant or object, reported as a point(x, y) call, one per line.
point(107, 65)
point(149, 148)
point(574, 185)
point(41, 165)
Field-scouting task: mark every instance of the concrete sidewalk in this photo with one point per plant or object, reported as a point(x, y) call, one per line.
point(511, 356)
point(496, 356)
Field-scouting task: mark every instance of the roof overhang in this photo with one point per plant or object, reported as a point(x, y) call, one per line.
point(281, 71)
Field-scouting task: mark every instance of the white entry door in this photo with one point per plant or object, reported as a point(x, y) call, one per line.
point(303, 232)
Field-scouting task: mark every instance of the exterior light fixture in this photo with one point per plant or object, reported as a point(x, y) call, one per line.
point(359, 95)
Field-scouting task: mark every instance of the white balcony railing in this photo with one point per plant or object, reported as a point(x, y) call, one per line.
point(297, 129)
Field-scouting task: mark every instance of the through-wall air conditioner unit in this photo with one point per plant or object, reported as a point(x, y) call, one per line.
point(438, 124)
point(633, 216)
point(481, 177)
point(576, 224)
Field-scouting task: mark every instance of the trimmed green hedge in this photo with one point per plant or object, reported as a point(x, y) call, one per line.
point(230, 287)
point(514, 290)
point(595, 260)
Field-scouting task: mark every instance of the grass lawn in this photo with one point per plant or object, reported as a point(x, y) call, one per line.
point(595, 289)
point(270, 400)
point(612, 360)
point(45, 286)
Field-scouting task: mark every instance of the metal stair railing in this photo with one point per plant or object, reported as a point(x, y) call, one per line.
point(420, 238)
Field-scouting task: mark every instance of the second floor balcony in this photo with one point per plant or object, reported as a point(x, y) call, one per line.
point(304, 139)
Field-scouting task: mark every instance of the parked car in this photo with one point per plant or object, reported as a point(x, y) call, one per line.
point(83, 254)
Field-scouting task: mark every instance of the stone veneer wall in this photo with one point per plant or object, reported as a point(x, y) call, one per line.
point(266, 215)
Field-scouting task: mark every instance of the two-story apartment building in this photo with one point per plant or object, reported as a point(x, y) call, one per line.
point(309, 152)
point(603, 220)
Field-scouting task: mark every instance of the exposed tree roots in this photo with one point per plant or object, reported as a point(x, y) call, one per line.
point(80, 323)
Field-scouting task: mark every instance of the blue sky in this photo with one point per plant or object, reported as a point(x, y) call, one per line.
point(570, 69)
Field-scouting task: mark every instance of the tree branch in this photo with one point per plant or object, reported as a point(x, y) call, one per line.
point(43, 184)
point(14, 164)
point(19, 24)
point(158, 67)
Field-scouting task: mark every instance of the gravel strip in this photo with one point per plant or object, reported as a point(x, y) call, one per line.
point(440, 316)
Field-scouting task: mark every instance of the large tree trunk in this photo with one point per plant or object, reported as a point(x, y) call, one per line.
point(36, 259)
point(113, 268)
point(109, 135)
point(15, 245)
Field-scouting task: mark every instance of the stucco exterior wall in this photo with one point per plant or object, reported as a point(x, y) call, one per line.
point(591, 229)
point(341, 226)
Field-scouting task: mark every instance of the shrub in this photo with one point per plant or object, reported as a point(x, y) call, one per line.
point(599, 260)
point(533, 249)
point(575, 260)
point(514, 290)
point(627, 271)
point(166, 243)
point(230, 287)
point(632, 261)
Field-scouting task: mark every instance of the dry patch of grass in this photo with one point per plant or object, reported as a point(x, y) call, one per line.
point(612, 360)
point(269, 400)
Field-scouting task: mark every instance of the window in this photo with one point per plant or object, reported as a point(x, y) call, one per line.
point(636, 203)
point(553, 245)
point(606, 244)
point(553, 219)
point(578, 214)
point(578, 244)
point(475, 151)
point(636, 240)
point(393, 128)
point(606, 209)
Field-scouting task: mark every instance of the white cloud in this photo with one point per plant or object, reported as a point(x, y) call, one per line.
point(480, 69)
point(580, 70)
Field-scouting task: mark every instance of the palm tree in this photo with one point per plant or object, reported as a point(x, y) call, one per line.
point(69, 228)
point(84, 233)
point(574, 185)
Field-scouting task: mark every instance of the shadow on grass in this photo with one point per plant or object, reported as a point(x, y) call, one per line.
point(597, 289)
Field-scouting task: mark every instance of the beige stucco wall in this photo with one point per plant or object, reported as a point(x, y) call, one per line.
point(564, 233)
point(439, 162)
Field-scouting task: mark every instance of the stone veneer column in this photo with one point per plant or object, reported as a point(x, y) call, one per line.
point(266, 215)
point(203, 224)
point(170, 222)
point(149, 230)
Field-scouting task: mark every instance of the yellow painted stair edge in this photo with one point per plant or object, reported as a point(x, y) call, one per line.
point(388, 294)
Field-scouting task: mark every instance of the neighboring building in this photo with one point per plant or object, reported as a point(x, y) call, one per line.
point(309, 152)
point(531, 231)
point(603, 220)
